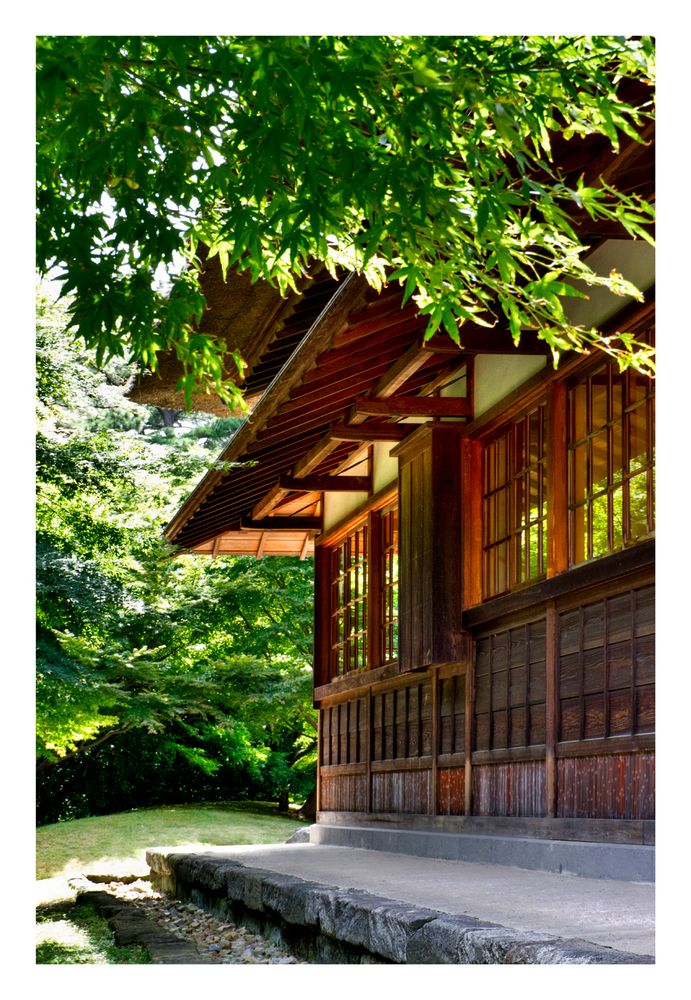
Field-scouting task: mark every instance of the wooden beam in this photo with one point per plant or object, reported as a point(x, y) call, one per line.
point(303, 550)
point(262, 542)
point(347, 297)
point(371, 432)
point(479, 340)
point(400, 372)
point(315, 456)
point(268, 502)
point(281, 524)
point(317, 484)
point(412, 406)
point(216, 546)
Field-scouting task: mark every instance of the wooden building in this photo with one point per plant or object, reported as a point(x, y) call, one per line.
point(482, 528)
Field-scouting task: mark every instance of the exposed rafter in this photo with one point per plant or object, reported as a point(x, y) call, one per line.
point(411, 406)
point(281, 524)
point(318, 484)
point(371, 432)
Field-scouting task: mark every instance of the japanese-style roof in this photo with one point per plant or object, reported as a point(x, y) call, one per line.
point(251, 318)
point(363, 346)
point(326, 369)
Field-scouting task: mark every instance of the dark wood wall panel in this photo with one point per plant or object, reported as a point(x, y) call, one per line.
point(515, 789)
point(451, 791)
point(618, 786)
point(430, 547)
point(510, 688)
point(452, 714)
point(607, 667)
point(344, 733)
point(401, 792)
point(402, 722)
point(343, 793)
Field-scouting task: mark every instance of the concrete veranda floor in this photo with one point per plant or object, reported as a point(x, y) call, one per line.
point(614, 914)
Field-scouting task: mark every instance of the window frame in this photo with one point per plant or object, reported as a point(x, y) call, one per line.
point(553, 389)
point(376, 620)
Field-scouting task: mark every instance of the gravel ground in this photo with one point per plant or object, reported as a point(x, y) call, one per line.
point(218, 940)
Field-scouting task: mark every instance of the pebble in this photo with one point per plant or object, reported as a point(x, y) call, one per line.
point(222, 941)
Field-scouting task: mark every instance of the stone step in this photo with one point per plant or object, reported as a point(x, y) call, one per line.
point(623, 862)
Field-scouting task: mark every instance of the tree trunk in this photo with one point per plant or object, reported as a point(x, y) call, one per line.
point(308, 810)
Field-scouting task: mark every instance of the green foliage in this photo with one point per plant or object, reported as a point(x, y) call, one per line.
point(426, 160)
point(206, 662)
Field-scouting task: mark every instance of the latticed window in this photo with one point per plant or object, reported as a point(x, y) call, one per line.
point(611, 462)
point(349, 576)
point(514, 505)
point(389, 613)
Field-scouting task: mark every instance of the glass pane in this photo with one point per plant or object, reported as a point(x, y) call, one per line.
point(520, 457)
point(598, 459)
point(617, 514)
point(579, 469)
point(500, 464)
point(600, 511)
point(638, 507)
point(637, 439)
point(578, 535)
point(599, 400)
point(501, 528)
point(501, 567)
point(535, 451)
point(577, 398)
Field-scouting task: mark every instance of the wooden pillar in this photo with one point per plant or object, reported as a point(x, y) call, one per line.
point(322, 616)
point(557, 482)
point(374, 590)
point(368, 744)
point(551, 696)
point(471, 513)
point(469, 734)
point(434, 796)
point(320, 761)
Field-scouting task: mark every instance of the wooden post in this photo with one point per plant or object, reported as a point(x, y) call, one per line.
point(469, 735)
point(368, 759)
point(557, 482)
point(551, 694)
point(320, 761)
point(471, 500)
point(322, 617)
point(374, 588)
point(434, 791)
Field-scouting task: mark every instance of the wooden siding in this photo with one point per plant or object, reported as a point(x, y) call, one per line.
point(510, 688)
point(402, 722)
point(401, 792)
point(470, 738)
point(430, 546)
point(617, 786)
point(512, 789)
point(343, 792)
point(606, 667)
point(451, 791)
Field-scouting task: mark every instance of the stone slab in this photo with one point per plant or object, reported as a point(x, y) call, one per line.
point(403, 931)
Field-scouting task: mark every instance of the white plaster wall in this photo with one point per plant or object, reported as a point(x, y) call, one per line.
point(634, 259)
point(458, 386)
point(385, 467)
point(496, 375)
point(337, 506)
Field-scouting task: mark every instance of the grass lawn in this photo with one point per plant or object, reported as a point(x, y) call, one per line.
point(110, 845)
point(76, 935)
